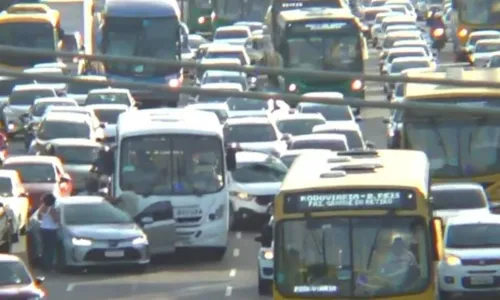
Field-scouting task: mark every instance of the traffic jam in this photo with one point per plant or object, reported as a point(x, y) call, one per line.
point(95, 176)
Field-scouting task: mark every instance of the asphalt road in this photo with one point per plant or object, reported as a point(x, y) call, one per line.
point(188, 277)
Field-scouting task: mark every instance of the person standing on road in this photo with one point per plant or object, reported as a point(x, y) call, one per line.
point(49, 223)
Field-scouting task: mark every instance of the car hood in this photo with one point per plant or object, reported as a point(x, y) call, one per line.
point(474, 253)
point(15, 291)
point(231, 41)
point(446, 214)
point(257, 189)
point(105, 231)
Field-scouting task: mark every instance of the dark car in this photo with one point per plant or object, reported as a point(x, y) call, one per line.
point(16, 281)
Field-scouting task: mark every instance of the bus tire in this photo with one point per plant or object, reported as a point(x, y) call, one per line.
point(265, 286)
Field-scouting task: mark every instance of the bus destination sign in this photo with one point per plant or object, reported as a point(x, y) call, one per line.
point(289, 5)
point(351, 200)
point(341, 25)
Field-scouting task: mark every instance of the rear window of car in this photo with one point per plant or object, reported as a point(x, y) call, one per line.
point(459, 198)
point(334, 145)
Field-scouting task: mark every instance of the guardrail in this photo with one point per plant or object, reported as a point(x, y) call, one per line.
point(323, 75)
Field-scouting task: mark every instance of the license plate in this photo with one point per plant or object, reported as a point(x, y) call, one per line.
point(187, 212)
point(481, 280)
point(114, 254)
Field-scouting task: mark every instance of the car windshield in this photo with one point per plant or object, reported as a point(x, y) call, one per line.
point(28, 97)
point(77, 155)
point(372, 257)
point(399, 67)
point(330, 112)
point(33, 172)
point(40, 108)
point(474, 39)
point(5, 187)
point(289, 159)
point(49, 130)
point(242, 104)
point(108, 116)
point(480, 12)
point(487, 47)
point(107, 98)
point(398, 8)
point(334, 145)
point(93, 214)
point(81, 88)
point(226, 79)
point(477, 235)
point(389, 41)
point(272, 170)
point(14, 273)
point(249, 133)
point(230, 34)
point(354, 140)
point(298, 126)
point(172, 164)
point(458, 198)
point(227, 54)
point(404, 54)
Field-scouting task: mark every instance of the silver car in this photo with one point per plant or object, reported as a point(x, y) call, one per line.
point(92, 233)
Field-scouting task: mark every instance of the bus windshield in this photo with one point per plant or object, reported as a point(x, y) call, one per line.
point(243, 10)
point(351, 256)
point(334, 49)
point(171, 165)
point(155, 37)
point(481, 12)
point(39, 35)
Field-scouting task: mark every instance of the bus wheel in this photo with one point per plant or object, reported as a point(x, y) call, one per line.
point(265, 286)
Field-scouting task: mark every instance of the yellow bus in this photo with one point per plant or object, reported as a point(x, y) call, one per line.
point(31, 30)
point(342, 230)
point(461, 147)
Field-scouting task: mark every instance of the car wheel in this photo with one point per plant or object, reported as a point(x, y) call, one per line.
point(6, 247)
point(265, 286)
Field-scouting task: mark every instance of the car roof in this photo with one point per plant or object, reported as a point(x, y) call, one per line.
point(74, 142)
point(108, 106)
point(233, 28)
point(488, 41)
point(32, 86)
point(69, 118)
point(410, 27)
point(335, 95)
point(222, 85)
point(296, 152)
point(376, 9)
point(398, 18)
point(456, 186)
point(405, 50)
point(10, 258)
point(27, 159)
point(353, 126)
point(409, 59)
point(301, 116)
point(245, 157)
point(220, 60)
point(8, 173)
point(78, 200)
point(319, 137)
point(109, 91)
point(43, 70)
point(483, 32)
point(214, 47)
point(55, 100)
point(248, 120)
point(403, 33)
point(471, 219)
point(215, 105)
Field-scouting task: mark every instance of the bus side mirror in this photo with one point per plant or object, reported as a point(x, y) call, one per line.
point(436, 228)
point(231, 158)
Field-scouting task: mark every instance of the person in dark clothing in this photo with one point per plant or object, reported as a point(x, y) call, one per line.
point(49, 223)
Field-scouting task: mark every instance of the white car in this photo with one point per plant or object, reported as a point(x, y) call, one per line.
point(404, 63)
point(394, 28)
point(298, 124)
point(475, 36)
point(110, 96)
point(248, 107)
point(226, 86)
point(351, 131)
point(394, 37)
point(20, 101)
point(458, 199)
point(394, 53)
point(108, 116)
point(216, 76)
point(15, 199)
point(328, 141)
point(228, 51)
point(79, 110)
point(483, 50)
point(376, 30)
point(289, 156)
point(220, 109)
point(254, 133)
point(371, 13)
point(254, 184)
point(37, 110)
point(399, 8)
point(233, 35)
point(408, 5)
point(331, 113)
point(471, 263)
point(60, 88)
point(265, 261)
point(414, 44)
point(79, 90)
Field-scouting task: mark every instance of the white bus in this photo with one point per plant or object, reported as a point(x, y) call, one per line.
point(176, 155)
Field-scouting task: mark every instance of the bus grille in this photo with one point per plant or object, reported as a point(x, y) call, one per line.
point(481, 262)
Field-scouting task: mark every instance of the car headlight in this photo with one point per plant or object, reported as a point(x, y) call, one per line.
point(452, 260)
point(268, 255)
point(142, 240)
point(81, 242)
point(242, 196)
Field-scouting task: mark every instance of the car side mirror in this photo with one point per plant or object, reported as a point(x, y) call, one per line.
point(358, 119)
point(286, 137)
point(39, 280)
point(370, 145)
point(386, 121)
point(102, 125)
point(258, 239)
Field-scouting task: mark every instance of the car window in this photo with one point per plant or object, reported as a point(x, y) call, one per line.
point(6, 187)
point(458, 199)
point(29, 97)
point(298, 126)
point(330, 112)
point(353, 137)
point(404, 54)
point(107, 98)
point(473, 236)
point(33, 172)
point(93, 214)
point(40, 108)
point(273, 171)
point(49, 130)
point(246, 104)
point(247, 133)
point(77, 155)
point(109, 116)
point(14, 273)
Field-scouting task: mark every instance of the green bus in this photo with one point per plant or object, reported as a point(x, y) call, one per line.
point(329, 39)
point(197, 14)
point(228, 12)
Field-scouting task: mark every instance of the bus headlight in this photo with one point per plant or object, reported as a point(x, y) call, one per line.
point(292, 88)
point(174, 83)
point(268, 255)
point(201, 20)
point(356, 85)
point(463, 32)
point(452, 260)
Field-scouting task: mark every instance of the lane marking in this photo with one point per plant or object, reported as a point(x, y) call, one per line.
point(232, 273)
point(236, 252)
point(70, 287)
point(229, 291)
point(238, 235)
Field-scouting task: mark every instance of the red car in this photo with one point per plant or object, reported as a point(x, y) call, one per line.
point(41, 175)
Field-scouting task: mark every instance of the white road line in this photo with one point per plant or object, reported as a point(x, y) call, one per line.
point(238, 235)
point(232, 273)
point(70, 287)
point(229, 291)
point(236, 252)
